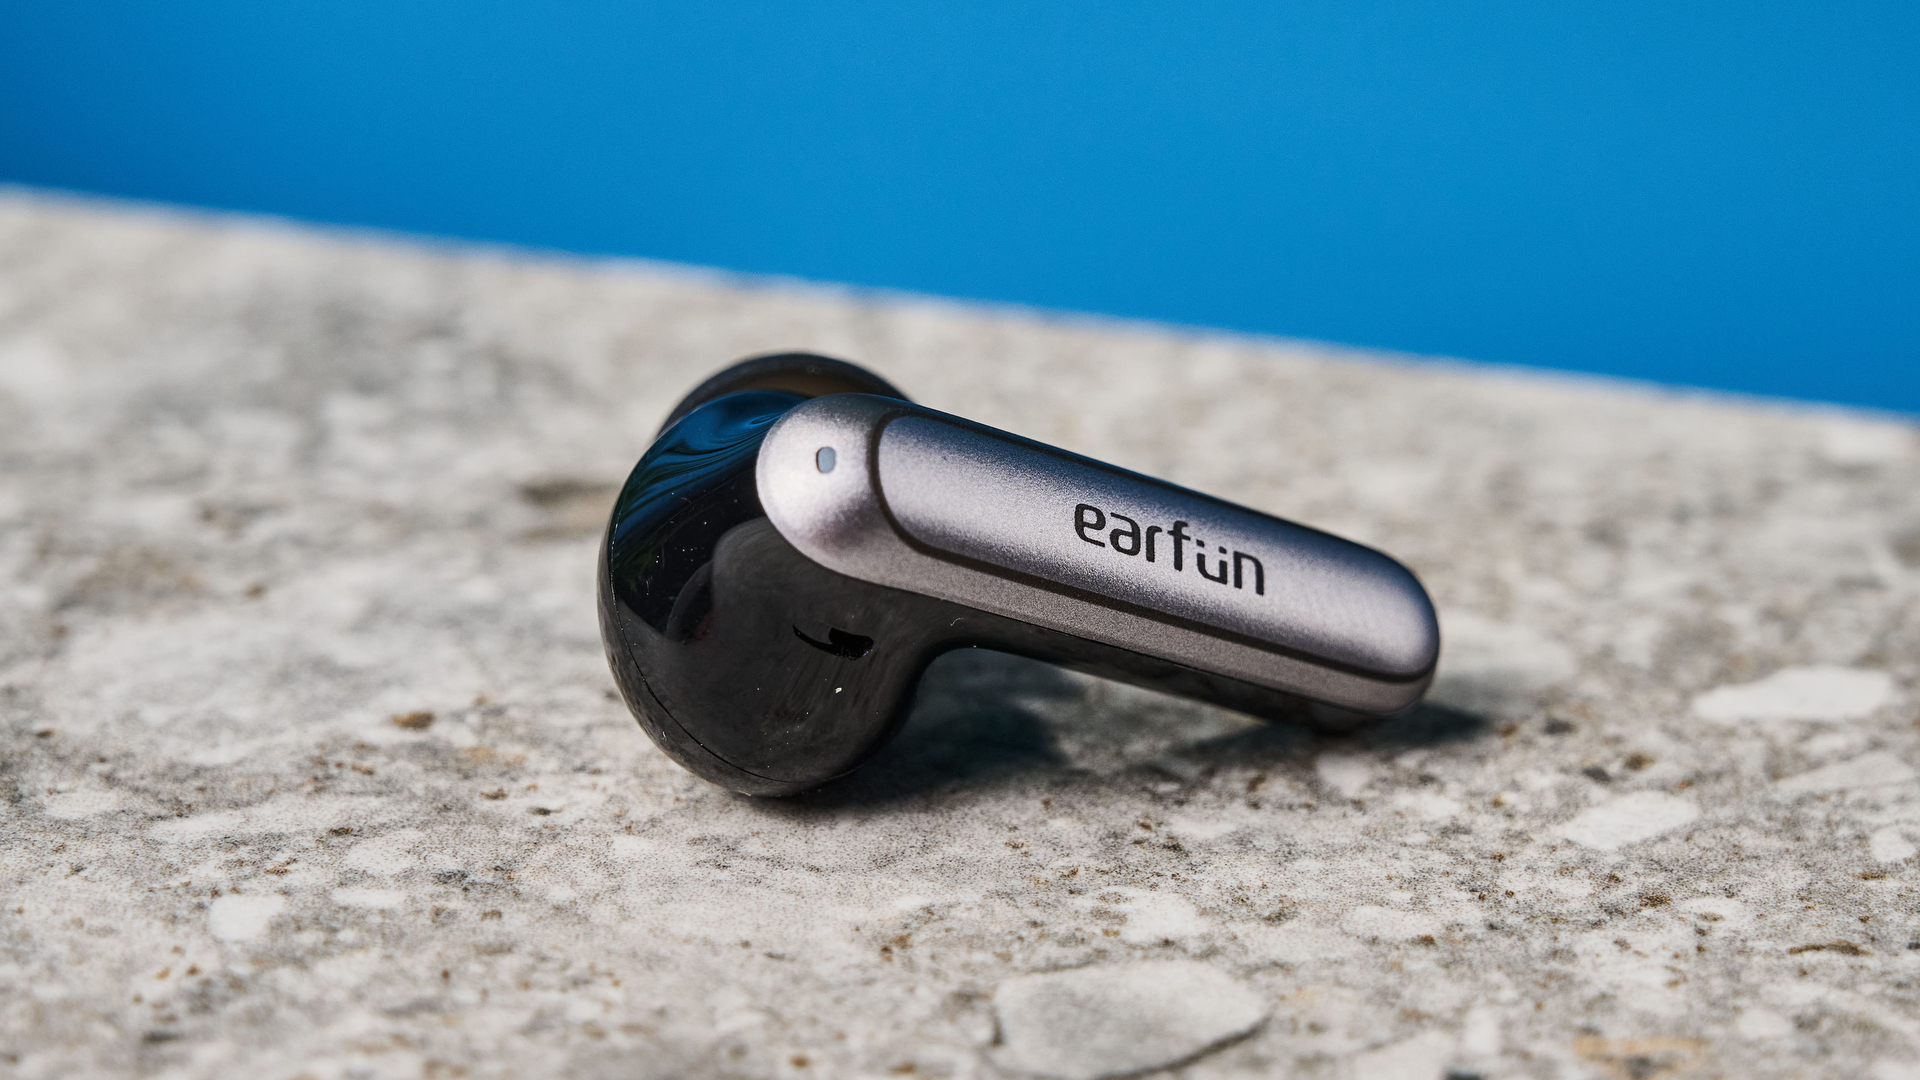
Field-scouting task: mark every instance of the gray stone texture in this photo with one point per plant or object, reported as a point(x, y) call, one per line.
point(313, 766)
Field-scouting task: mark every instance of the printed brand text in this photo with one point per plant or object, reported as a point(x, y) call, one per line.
point(1127, 538)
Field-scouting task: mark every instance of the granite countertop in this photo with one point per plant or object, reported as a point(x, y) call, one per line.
point(314, 768)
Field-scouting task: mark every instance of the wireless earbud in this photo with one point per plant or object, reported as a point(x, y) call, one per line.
point(800, 542)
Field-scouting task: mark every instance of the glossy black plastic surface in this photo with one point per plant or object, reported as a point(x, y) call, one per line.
point(806, 374)
point(765, 672)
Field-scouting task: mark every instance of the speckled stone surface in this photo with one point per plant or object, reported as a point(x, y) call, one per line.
point(313, 768)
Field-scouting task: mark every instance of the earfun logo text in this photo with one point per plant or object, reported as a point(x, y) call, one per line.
point(1128, 539)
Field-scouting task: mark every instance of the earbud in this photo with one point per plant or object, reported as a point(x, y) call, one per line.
point(800, 542)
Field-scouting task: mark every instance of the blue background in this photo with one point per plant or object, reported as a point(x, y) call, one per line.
point(1716, 194)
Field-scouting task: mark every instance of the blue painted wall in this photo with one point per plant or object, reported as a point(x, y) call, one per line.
point(1716, 194)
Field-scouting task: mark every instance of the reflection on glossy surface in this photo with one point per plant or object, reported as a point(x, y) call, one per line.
point(763, 671)
point(694, 484)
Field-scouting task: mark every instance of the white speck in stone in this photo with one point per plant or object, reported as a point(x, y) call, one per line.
point(286, 814)
point(1835, 744)
point(1348, 774)
point(1894, 1069)
point(1629, 819)
point(1371, 922)
point(1537, 779)
point(1568, 888)
point(1877, 769)
point(393, 853)
point(1721, 910)
point(226, 751)
point(1858, 444)
point(1112, 1020)
point(635, 847)
point(734, 1011)
point(1426, 805)
point(907, 903)
point(1625, 963)
point(1762, 1024)
point(80, 804)
point(40, 373)
point(1152, 917)
point(1821, 692)
point(1491, 667)
point(1796, 994)
point(1423, 1057)
point(1890, 845)
point(478, 589)
point(1295, 943)
point(382, 899)
point(1480, 1034)
point(243, 918)
point(1636, 640)
point(1201, 827)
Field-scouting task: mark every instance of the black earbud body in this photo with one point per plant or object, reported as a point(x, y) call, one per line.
point(800, 542)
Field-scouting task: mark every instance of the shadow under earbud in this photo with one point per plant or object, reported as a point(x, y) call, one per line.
point(974, 726)
point(1427, 725)
point(1281, 746)
point(968, 729)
